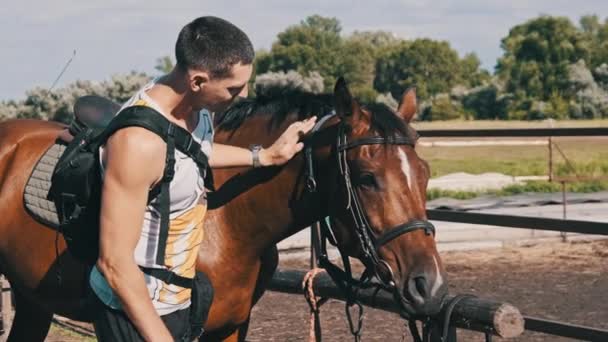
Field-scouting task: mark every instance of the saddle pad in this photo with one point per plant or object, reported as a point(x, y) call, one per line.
point(37, 188)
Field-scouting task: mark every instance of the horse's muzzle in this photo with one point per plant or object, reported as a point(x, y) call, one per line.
point(425, 294)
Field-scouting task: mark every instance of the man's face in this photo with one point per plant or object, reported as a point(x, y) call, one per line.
point(216, 94)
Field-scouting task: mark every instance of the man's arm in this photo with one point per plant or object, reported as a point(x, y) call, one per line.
point(134, 161)
point(283, 149)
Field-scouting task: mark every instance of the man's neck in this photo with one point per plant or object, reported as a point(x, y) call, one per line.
point(171, 95)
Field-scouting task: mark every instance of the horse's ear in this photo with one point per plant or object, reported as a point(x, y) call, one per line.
point(348, 109)
point(407, 108)
point(345, 105)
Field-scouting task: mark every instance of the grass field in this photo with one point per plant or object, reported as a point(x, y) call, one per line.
point(584, 156)
point(587, 156)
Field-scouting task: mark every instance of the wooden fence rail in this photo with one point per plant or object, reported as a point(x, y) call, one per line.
point(500, 319)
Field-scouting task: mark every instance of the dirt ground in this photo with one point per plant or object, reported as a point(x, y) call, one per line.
point(559, 281)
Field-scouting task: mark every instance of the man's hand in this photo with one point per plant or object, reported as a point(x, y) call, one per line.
point(288, 144)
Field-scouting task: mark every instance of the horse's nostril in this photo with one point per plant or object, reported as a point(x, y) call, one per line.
point(422, 286)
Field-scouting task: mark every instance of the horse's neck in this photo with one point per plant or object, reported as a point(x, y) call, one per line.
point(261, 216)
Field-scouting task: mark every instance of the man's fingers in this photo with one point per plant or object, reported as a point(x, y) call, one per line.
point(306, 126)
point(295, 126)
point(299, 129)
point(311, 120)
point(310, 124)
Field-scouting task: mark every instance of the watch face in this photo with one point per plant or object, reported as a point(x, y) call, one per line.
point(255, 151)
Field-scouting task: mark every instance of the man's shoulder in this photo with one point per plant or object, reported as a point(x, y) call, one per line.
point(135, 148)
point(137, 142)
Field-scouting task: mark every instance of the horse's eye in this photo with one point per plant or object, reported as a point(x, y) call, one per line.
point(366, 179)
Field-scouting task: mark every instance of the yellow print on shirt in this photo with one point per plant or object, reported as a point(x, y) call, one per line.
point(184, 238)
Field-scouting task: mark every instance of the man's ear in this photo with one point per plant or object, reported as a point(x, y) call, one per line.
point(198, 80)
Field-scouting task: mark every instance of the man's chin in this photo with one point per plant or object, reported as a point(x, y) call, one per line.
point(218, 109)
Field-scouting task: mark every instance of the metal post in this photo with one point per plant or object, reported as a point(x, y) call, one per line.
point(550, 159)
point(564, 206)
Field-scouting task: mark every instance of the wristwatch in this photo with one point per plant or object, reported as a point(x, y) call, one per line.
point(255, 154)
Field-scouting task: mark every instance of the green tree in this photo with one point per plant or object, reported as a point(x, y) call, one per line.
point(433, 67)
point(271, 82)
point(316, 45)
point(591, 99)
point(601, 76)
point(121, 87)
point(485, 102)
point(590, 24)
point(310, 46)
point(471, 72)
point(597, 34)
point(358, 58)
point(441, 107)
point(536, 57)
point(378, 41)
point(356, 63)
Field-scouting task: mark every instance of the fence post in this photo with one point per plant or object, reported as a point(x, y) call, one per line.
point(564, 206)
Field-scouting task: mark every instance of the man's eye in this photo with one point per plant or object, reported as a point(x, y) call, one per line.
point(235, 90)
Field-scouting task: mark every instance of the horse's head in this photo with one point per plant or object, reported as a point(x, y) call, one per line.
point(376, 188)
point(366, 175)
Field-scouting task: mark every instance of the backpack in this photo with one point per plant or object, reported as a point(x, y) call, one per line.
point(76, 183)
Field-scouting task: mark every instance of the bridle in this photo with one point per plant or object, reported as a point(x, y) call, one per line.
point(368, 241)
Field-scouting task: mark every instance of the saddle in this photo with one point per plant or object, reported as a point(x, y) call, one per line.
point(90, 111)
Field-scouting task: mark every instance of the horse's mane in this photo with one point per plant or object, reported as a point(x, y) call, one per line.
point(279, 105)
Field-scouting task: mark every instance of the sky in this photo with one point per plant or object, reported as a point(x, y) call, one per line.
point(38, 37)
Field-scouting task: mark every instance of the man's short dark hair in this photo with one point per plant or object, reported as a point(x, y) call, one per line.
point(213, 45)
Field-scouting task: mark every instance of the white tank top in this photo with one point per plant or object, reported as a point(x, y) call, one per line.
point(187, 209)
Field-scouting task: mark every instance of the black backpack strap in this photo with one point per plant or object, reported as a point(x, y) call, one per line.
point(187, 145)
point(138, 116)
point(152, 120)
point(168, 277)
point(165, 196)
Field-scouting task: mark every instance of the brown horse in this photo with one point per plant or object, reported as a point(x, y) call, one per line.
point(256, 209)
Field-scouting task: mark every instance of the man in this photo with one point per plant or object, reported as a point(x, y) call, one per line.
point(214, 64)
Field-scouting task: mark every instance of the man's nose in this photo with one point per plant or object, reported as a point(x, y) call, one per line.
point(245, 91)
